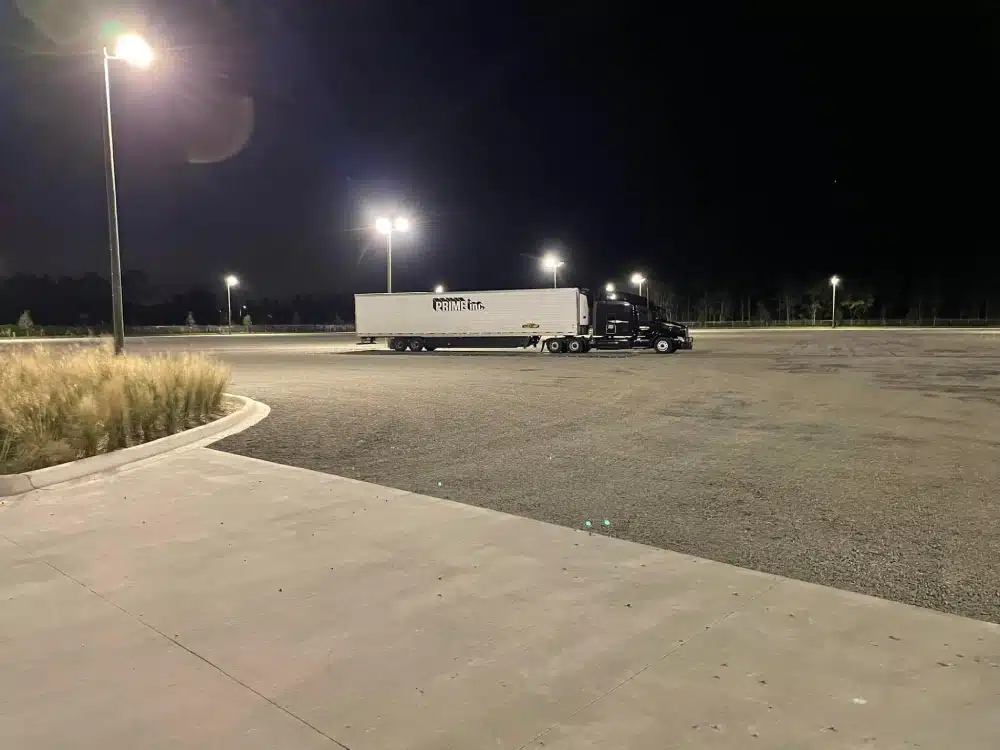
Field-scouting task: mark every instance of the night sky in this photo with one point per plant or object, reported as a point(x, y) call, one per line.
point(728, 147)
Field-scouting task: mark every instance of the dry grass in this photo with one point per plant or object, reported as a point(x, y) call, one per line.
point(58, 406)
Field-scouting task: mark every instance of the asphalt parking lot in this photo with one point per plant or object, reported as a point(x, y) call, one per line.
point(865, 460)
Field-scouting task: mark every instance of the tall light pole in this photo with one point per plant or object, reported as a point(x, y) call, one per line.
point(638, 279)
point(552, 262)
point(134, 50)
point(385, 225)
point(231, 281)
point(834, 283)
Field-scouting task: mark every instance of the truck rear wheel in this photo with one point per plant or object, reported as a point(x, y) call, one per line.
point(416, 344)
point(555, 346)
point(398, 345)
point(576, 346)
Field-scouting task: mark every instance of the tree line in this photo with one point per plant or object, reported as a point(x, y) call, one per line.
point(85, 301)
point(793, 303)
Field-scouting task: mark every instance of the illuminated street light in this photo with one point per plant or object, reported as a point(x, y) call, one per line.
point(439, 289)
point(385, 225)
point(133, 50)
point(834, 283)
point(638, 279)
point(552, 261)
point(231, 281)
point(609, 288)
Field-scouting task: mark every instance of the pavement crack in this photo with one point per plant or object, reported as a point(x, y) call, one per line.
point(180, 645)
point(684, 642)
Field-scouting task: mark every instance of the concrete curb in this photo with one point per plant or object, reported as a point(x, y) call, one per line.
point(249, 414)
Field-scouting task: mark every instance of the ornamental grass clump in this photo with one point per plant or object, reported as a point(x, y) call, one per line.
point(61, 404)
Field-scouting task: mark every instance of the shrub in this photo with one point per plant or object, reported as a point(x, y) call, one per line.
point(58, 406)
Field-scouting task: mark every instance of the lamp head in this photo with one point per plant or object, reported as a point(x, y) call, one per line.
point(134, 50)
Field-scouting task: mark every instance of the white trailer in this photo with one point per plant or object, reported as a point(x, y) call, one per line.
point(520, 317)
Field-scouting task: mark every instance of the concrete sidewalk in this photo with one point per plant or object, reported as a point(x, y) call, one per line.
point(209, 600)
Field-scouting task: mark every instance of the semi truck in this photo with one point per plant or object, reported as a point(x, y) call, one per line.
point(560, 320)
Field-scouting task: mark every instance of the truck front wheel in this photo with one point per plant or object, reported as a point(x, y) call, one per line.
point(664, 346)
point(555, 346)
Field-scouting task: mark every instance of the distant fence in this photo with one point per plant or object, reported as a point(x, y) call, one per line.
point(847, 322)
point(93, 331)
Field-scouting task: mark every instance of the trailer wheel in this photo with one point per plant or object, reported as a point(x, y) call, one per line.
point(399, 345)
point(555, 346)
point(665, 346)
point(576, 346)
point(416, 344)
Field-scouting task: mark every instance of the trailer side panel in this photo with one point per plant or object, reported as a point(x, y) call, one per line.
point(514, 313)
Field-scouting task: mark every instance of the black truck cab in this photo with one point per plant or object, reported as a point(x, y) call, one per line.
point(625, 321)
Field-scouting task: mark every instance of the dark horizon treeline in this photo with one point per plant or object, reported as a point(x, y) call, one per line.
point(86, 301)
point(796, 300)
